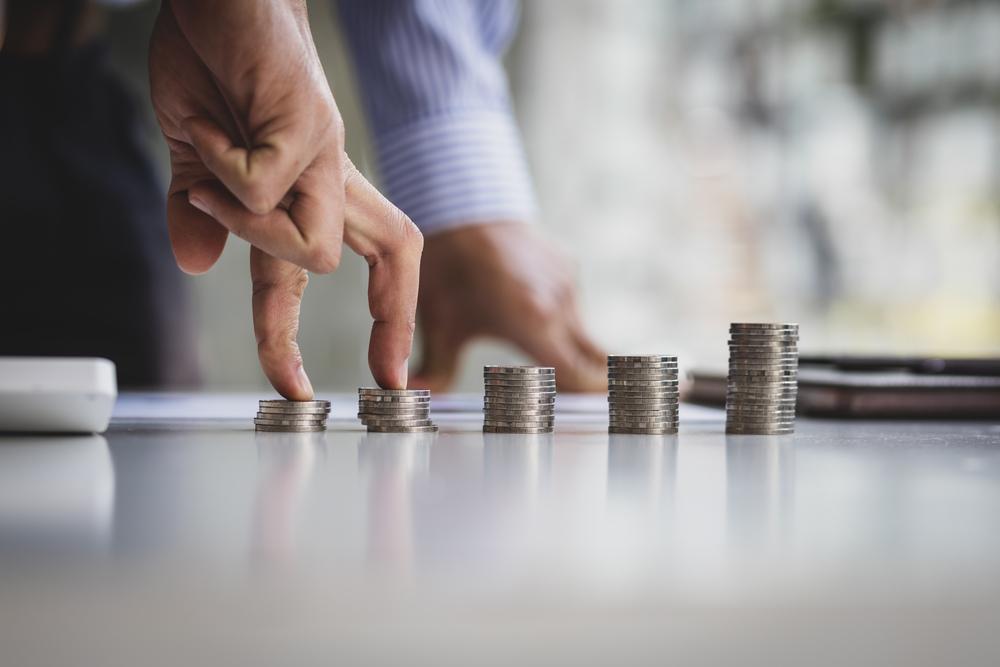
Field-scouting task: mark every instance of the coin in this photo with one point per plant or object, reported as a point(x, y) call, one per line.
point(500, 402)
point(519, 394)
point(622, 430)
point(402, 429)
point(290, 428)
point(519, 370)
point(762, 326)
point(508, 429)
point(392, 401)
point(397, 423)
point(375, 391)
point(383, 409)
point(283, 403)
point(395, 410)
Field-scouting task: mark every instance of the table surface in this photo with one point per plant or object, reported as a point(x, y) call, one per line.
point(182, 537)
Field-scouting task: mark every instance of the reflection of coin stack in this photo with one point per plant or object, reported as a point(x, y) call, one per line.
point(292, 416)
point(395, 410)
point(763, 376)
point(519, 399)
point(642, 394)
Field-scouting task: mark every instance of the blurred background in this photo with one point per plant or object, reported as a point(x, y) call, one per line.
point(830, 162)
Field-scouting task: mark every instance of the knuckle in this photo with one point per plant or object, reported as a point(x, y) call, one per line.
point(408, 237)
point(323, 258)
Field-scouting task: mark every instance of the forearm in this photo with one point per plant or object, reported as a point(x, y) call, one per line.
point(448, 147)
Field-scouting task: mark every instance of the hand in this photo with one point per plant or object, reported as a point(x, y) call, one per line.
point(502, 280)
point(256, 149)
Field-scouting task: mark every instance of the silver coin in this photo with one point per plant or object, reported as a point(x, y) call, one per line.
point(518, 394)
point(779, 431)
point(642, 423)
point(765, 326)
point(624, 430)
point(657, 416)
point(775, 414)
point(749, 372)
point(765, 359)
point(763, 399)
point(737, 410)
point(658, 398)
point(525, 412)
point(393, 410)
point(520, 381)
point(642, 383)
point(643, 377)
point(640, 358)
point(397, 423)
point(294, 409)
point(642, 365)
point(519, 423)
point(267, 421)
point(772, 368)
point(282, 403)
point(637, 391)
point(533, 402)
point(764, 423)
point(524, 431)
point(290, 429)
point(649, 363)
point(519, 370)
point(375, 391)
point(745, 348)
point(629, 407)
point(307, 413)
point(293, 415)
point(396, 414)
point(774, 423)
point(372, 428)
point(762, 396)
point(750, 406)
point(394, 400)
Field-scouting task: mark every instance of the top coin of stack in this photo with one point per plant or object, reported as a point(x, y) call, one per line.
point(519, 399)
point(642, 394)
point(763, 378)
point(291, 416)
point(395, 410)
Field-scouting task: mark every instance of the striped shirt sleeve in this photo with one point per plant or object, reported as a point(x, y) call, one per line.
point(448, 148)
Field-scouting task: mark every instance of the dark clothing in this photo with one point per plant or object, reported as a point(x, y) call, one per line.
point(85, 262)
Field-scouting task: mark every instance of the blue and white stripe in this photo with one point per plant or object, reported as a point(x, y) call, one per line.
point(438, 103)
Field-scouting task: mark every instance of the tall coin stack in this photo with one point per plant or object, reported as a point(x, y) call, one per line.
point(642, 394)
point(519, 399)
point(395, 410)
point(291, 416)
point(763, 378)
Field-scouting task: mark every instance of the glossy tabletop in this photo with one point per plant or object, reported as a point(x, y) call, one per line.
point(182, 537)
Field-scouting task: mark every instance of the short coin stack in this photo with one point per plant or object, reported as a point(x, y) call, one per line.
point(519, 399)
point(642, 394)
point(395, 410)
point(763, 377)
point(291, 416)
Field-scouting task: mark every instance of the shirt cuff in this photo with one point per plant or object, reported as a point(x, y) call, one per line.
point(456, 169)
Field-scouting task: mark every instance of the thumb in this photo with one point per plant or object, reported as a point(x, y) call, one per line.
point(259, 176)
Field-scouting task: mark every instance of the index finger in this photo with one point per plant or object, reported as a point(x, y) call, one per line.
point(392, 245)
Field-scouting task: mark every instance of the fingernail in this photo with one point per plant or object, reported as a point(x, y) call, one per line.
point(199, 204)
point(404, 372)
point(304, 383)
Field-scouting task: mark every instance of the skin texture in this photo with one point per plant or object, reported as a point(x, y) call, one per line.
point(503, 281)
point(257, 150)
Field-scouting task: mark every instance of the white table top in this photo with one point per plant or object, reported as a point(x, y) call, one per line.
point(182, 537)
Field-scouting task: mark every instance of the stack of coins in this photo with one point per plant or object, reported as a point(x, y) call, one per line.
point(763, 377)
point(519, 399)
point(395, 410)
point(642, 394)
point(292, 416)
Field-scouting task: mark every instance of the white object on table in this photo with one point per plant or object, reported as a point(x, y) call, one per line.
point(56, 395)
